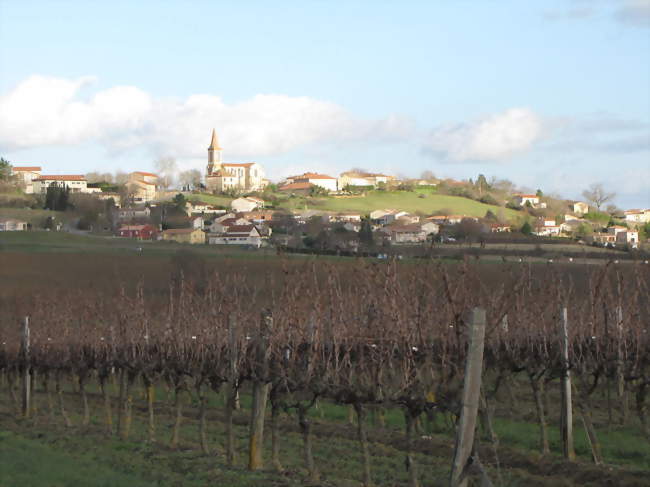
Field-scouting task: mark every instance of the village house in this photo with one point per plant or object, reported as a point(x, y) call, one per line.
point(248, 203)
point(579, 208)
point(25, 175)
point(184, 235)
point(135, 212)
point(296, 188)
point(628, 237)
point(321, 180)
point(408, 219)
point(604, 238)
point(192, 207)
point(430, 228)
point(240, 177)
point(547, 230)
point(75, 183)
point(197, 222)
point(12, 225)
point(354, 178)
point(448, 219)
point(347, 217)
point(500, 228)
point(637, 216)
point(141, 232)
point(259, 216)
point(572, 226)
point(524, 199)
point(142, 186)
point(237, 235)
point(389, 216)
point(220, 225)
point(400, 234)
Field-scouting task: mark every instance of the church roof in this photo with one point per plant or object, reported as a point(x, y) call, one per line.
point(214, 143)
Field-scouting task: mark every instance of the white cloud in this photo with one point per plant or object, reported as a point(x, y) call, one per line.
point(50, 111)
point(634, 12)
point(494, 138)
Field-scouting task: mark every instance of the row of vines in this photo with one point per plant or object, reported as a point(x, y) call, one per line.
point(387, 335)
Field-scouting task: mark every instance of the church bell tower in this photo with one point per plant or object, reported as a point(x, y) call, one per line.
point(214, 154)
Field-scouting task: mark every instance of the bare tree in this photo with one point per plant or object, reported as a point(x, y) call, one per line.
point(190, 178)
point(166, 169)
point(121, 177)
point(427, 175)
point(597, 195)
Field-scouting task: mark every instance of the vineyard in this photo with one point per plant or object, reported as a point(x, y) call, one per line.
point(271, 352)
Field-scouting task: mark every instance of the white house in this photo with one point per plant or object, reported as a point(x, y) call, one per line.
point(242, 205)
point(12, 225)
point(405, 234)
point(237, 235)
point(135, 212)
point(76, 183)
point(390, 216)
point(522, 199)
point(629, 237)
point(430, 228)
point(202, 207)
point(580, 208)
point(347, 217)
point(637, 216)
point(547, 230)
point(322, 180)
point(25, 175)
point(220, 225)
point(354, 178)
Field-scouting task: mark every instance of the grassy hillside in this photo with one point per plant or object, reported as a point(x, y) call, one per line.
point(421, 200)
point(35, 217)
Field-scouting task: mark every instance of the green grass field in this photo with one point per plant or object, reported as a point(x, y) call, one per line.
point(84, 456)
point(63, 242)
point(35, 217)
point(424, 201)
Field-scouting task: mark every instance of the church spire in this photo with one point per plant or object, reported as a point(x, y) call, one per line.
point(214, 143)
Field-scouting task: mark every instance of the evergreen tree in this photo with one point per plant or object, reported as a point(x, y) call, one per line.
point(526, 229)
point(365, 233)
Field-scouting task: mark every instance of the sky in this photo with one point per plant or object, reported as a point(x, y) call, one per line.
point(551, 94)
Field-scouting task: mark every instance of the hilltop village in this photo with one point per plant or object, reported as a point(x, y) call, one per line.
point(235, 204)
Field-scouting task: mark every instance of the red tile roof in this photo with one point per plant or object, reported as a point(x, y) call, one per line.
point(292, 186)
point(26, 168)
point(311, 175)
point(142, 173)
point(61, 177)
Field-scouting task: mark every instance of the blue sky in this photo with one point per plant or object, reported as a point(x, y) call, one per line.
point(549, 94)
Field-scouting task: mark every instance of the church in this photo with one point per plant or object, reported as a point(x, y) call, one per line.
point(223, 177)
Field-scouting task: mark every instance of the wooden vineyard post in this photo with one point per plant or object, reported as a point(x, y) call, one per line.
point(231, 390)
point(566, 417)
point(620, 378)
point(470, 400)
point(26, 378)
point(260, 395)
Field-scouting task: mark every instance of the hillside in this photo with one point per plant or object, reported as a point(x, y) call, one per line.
point(423, 201)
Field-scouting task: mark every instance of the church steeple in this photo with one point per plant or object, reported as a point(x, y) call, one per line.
point(214, 154)
point(214, 143)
